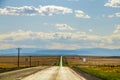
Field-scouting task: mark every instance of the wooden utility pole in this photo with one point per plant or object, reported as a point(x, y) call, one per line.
point(30, 61)
point(18, 56)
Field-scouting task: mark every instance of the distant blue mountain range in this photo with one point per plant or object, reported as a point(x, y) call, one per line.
point(52, 52)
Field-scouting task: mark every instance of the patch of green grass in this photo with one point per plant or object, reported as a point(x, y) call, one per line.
point(56, 64)
point(106, 73)
point(63, 62)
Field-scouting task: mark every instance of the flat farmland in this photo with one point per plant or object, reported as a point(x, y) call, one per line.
point(91, 60)
point(26, 61)
point(106, 68)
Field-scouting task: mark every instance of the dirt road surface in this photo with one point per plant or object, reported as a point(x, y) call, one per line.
point(55, 73)
point(19, 74)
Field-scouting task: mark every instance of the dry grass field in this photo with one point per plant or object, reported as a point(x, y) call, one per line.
point(105, 72)
point(107, 68)
point(12, 61)
point(91, 60)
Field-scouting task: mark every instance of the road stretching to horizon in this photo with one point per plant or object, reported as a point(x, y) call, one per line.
point(55, 73)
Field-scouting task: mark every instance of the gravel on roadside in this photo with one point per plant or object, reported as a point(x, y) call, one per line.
point(19, 74)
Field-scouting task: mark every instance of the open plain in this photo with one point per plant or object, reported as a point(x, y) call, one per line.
point(55, 67)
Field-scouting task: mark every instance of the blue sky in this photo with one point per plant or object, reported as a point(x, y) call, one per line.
point(60, 24)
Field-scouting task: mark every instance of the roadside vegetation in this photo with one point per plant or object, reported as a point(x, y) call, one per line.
point(9, 63)
point(7, 67)
point(104, 67)
point(106, 72)
point(56, 64)
point(63, 62)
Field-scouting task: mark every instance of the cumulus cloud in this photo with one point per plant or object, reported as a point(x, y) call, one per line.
point(63, 27)
point(51, 9)
point(25, 35)
point(7, 46)
point(114, 15)
point(25, 10)
point(111, 16)
point(48, 10)
point(63, 46)
point(90, 30)
point(83, 39)
point(81, 14)
point(113, 3)
point(117, 30)
point(117, 14)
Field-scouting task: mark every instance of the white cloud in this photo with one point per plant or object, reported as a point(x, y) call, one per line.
point(113, 3)
point(111, 16)
point(117, 14)
point(117, 30)
point(52, 9)
point(8, 46)
point(48, 10)
point(81, 14)
point(63, 46)
point(114, 15)
point(25, 10)
point(83, 39)
point(90, 30)
point(21, 35)
point(26, 35)
point(63, 27)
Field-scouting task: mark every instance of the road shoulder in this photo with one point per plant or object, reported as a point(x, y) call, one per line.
point(19, 74)
point(86, 75)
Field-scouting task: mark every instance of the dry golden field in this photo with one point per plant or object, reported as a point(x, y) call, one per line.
point(91, 60)
point(12, 61)
point(106, 68)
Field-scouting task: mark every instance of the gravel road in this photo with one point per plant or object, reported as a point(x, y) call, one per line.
point(55, 73)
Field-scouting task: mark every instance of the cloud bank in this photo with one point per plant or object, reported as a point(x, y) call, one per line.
point(83, 39)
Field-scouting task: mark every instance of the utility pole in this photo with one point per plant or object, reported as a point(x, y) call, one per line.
point(30, 61)
point(18, 56)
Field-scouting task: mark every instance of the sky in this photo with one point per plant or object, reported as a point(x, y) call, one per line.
point(60, 24)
